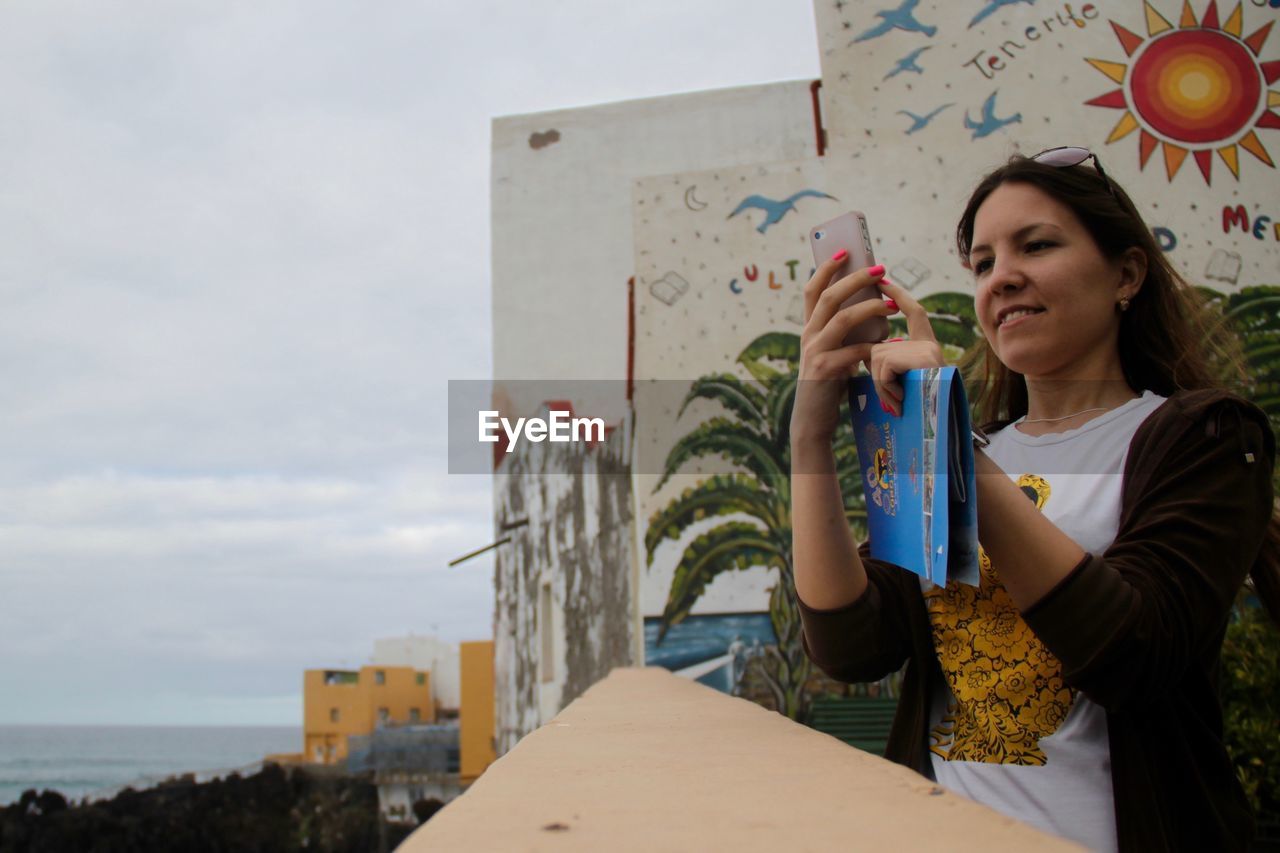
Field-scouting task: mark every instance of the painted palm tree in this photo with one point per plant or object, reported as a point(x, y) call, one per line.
point(756, 503)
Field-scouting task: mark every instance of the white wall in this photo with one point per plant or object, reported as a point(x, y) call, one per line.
point(562, 244)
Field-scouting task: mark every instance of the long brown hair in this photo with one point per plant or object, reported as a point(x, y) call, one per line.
point(1170, 338)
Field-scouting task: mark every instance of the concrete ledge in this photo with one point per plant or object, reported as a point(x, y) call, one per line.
point(646, 761)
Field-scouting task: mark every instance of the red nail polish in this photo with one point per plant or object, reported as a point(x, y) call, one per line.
point(878, 269)
point(883, 407)
point(893, 306)
point(892, 340)
point(840, 255)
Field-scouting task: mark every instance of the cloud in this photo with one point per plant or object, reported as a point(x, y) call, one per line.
point(243, 248)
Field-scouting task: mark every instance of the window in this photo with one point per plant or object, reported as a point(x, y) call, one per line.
point(421, 678)
point(334, 715)
point(335, 676)
point(383, 716)
point(544, 630)
point(415, 716)
point(380, 676)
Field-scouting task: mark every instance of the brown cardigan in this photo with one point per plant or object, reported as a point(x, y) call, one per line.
point(1138, 629)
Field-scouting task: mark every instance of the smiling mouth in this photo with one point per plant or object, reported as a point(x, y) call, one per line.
point(1018, 315)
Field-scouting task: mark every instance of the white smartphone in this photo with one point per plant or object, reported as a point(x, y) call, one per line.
point(849, 232)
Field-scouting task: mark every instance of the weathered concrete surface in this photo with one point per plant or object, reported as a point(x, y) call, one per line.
point(577, 502)
point(648, 761)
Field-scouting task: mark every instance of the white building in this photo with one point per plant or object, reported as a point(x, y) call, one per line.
point(562, 258)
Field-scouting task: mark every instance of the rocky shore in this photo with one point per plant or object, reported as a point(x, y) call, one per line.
point(276, 810)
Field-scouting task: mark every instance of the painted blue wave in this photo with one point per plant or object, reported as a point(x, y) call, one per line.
point(701, 638)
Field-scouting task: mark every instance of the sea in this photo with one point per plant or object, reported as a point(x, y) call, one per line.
point(98, 761)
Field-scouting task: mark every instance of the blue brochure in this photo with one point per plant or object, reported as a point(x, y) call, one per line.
point(917, 473)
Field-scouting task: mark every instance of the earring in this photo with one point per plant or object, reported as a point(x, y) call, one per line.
point(1124, 304)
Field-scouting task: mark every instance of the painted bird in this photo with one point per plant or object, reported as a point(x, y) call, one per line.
point(994, 6)
point(908, 63)
point(774, 210)
point(901, 18)
point(919, 122)
point(989, 124)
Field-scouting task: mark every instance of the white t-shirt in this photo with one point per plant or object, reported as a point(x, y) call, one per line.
point(1007, 731)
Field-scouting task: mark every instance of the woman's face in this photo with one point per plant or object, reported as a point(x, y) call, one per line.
point(1046, 296)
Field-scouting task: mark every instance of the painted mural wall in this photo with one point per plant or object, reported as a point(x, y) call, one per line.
point(1177, 98)
point(564, 614)
point(721, 257)
point(921, 98)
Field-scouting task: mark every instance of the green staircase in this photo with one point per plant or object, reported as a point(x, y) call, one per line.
point(859, 721)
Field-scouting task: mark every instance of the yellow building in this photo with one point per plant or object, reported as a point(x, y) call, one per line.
point(338, 703)
point(476, 714)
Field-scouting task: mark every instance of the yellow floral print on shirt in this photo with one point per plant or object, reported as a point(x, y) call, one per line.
point(1008, 688)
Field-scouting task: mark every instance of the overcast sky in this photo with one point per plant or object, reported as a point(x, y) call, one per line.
point(243, 248)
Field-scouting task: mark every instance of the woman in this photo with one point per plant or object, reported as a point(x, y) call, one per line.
point(1120, 508)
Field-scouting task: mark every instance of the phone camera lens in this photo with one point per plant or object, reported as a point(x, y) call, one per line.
point(818, 235)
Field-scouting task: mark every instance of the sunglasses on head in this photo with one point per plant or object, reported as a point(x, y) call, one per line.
point(1072, 155)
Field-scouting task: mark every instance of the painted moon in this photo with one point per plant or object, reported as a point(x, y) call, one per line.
point(691, 200)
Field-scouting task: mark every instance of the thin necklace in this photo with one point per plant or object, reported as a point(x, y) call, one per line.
point(1064, 417)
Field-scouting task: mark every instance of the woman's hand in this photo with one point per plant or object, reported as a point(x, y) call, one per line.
point(894, 357)
point(826, 363)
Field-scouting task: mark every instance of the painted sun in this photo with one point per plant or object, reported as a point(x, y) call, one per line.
point(1198, 87)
